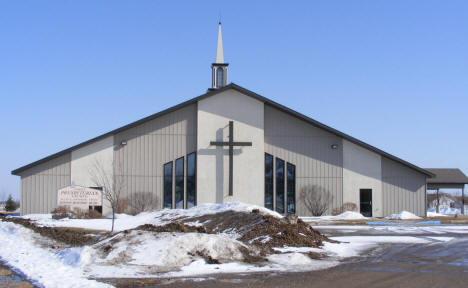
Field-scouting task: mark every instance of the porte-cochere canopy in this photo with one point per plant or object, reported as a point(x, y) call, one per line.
point(447, 178)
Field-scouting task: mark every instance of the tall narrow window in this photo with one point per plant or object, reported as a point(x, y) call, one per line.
point(179, 183)
point(268, 181)
point(167, 185)
point(291, 188)
point(219, 77)
point(191, 178)
point(279, 185)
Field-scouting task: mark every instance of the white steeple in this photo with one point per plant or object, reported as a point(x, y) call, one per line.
point(219, 68)
point(219, 51)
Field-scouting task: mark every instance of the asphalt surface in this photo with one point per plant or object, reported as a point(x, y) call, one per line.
point(10, 278)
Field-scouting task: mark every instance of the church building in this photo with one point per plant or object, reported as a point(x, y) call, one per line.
point(231, 144)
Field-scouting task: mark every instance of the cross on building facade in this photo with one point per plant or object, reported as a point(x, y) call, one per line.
point(231, 145)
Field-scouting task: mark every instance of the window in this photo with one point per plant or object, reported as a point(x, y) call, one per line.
point(167, 185)
point(179, 183)
point(279, 186)
point(285, 200)
point(191, 178)
point(291, 188)
point(219, 77)
point(268, 181)
point(183, 179)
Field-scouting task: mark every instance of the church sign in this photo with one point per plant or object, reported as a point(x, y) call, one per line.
point(79, 197)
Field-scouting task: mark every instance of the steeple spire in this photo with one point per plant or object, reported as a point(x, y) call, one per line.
point(219, 68)
point(219, 51)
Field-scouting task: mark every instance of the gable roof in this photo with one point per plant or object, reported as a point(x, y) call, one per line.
point(217, 91)
point(447, 176)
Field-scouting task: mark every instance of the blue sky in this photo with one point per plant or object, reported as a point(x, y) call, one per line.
point(391, 73)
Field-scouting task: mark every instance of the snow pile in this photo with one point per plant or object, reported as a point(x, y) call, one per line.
point(350, 215)
point(403, 215)
point(44, 266)
point(444, 211)
point(210, 238)
point(286, 259)
point(138, 254)
point(435, 214)
point(125, 222)
point(142, 252)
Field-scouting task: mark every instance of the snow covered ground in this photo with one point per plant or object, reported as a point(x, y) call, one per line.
point(125, 222)
point(44, 266)
point(431, 212)
point(171, 254)
point(396, 229)
point(348, 215)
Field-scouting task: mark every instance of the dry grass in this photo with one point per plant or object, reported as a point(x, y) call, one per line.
point(16, 285)
point(67, 235)
point(5, 272)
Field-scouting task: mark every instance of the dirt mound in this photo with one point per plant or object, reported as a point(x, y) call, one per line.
point(263, 231)
point(69, 236)
point(254, 229)
point(274, 232)
point(173, 227)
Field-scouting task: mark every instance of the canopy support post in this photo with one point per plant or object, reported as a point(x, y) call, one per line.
point(463, 201)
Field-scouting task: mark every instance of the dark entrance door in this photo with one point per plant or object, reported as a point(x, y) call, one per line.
point(366, 202)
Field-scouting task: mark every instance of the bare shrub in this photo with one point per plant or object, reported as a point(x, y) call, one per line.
point(144, 201)
point(78, 213)
point(112, 184)
point(93, 214)
point(348, 206)
point(61, 212)
point(315, 199)
point(123, 206)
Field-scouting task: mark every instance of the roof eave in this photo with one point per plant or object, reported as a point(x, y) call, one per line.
point(217, 91)
point(209, 93)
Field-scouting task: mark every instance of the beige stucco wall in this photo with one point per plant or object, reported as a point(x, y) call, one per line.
point(362, 169)
point(214, 114)
point(84, 159)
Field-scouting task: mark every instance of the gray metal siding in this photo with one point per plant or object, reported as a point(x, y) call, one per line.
point(309, 148)
point(403, 188)
point(39, 185)
point(149, 146)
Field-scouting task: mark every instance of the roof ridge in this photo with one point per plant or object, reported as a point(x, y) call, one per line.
point(247, 92)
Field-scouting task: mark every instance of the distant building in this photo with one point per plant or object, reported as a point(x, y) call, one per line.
point(445, 201)
point(232, 144)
